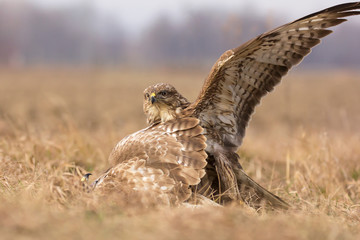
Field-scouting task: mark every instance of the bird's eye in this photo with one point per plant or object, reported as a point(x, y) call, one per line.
point(163, 93)
point(147, 96)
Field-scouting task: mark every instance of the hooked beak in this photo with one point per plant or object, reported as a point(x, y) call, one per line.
point(85, 178)
point(152, 98)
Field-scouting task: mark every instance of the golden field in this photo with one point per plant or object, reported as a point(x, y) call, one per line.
point(303, 143)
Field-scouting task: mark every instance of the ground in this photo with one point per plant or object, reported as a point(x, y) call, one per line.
point(56, 124)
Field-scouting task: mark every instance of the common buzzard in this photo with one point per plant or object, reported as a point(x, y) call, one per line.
point(158, 163)
point(234, 86)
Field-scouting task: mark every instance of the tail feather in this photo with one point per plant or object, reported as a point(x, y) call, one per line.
point(245, 182)
point(235, 184)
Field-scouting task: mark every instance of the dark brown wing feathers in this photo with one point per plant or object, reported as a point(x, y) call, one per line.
point(242, 76)
point(236, 84)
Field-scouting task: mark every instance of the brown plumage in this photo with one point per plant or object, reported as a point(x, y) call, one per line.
point(157, 163)
point(235, 85)
point(162, 102)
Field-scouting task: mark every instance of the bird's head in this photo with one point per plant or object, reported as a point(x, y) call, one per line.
point(161, 101)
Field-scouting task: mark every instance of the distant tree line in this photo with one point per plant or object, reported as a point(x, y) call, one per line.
point(31, 35)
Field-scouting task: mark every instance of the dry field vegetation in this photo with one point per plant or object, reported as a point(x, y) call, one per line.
point(303, 143)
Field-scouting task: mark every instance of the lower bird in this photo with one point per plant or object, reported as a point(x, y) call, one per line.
point(157, 164)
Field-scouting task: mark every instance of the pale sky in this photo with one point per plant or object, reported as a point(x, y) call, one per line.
point(136, 14)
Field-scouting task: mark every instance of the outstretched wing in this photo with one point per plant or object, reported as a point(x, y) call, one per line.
point(243, 75)
point(161, 161)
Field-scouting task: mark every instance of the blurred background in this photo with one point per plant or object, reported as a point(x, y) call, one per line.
point(177, 33)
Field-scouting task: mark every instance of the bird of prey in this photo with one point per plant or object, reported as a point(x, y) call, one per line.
point(158, 163)
point(234, 86)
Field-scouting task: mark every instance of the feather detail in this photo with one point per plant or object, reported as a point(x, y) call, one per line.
point(242, 76)
point(161, 161)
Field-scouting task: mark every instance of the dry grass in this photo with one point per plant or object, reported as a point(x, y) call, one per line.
point(303, 143)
